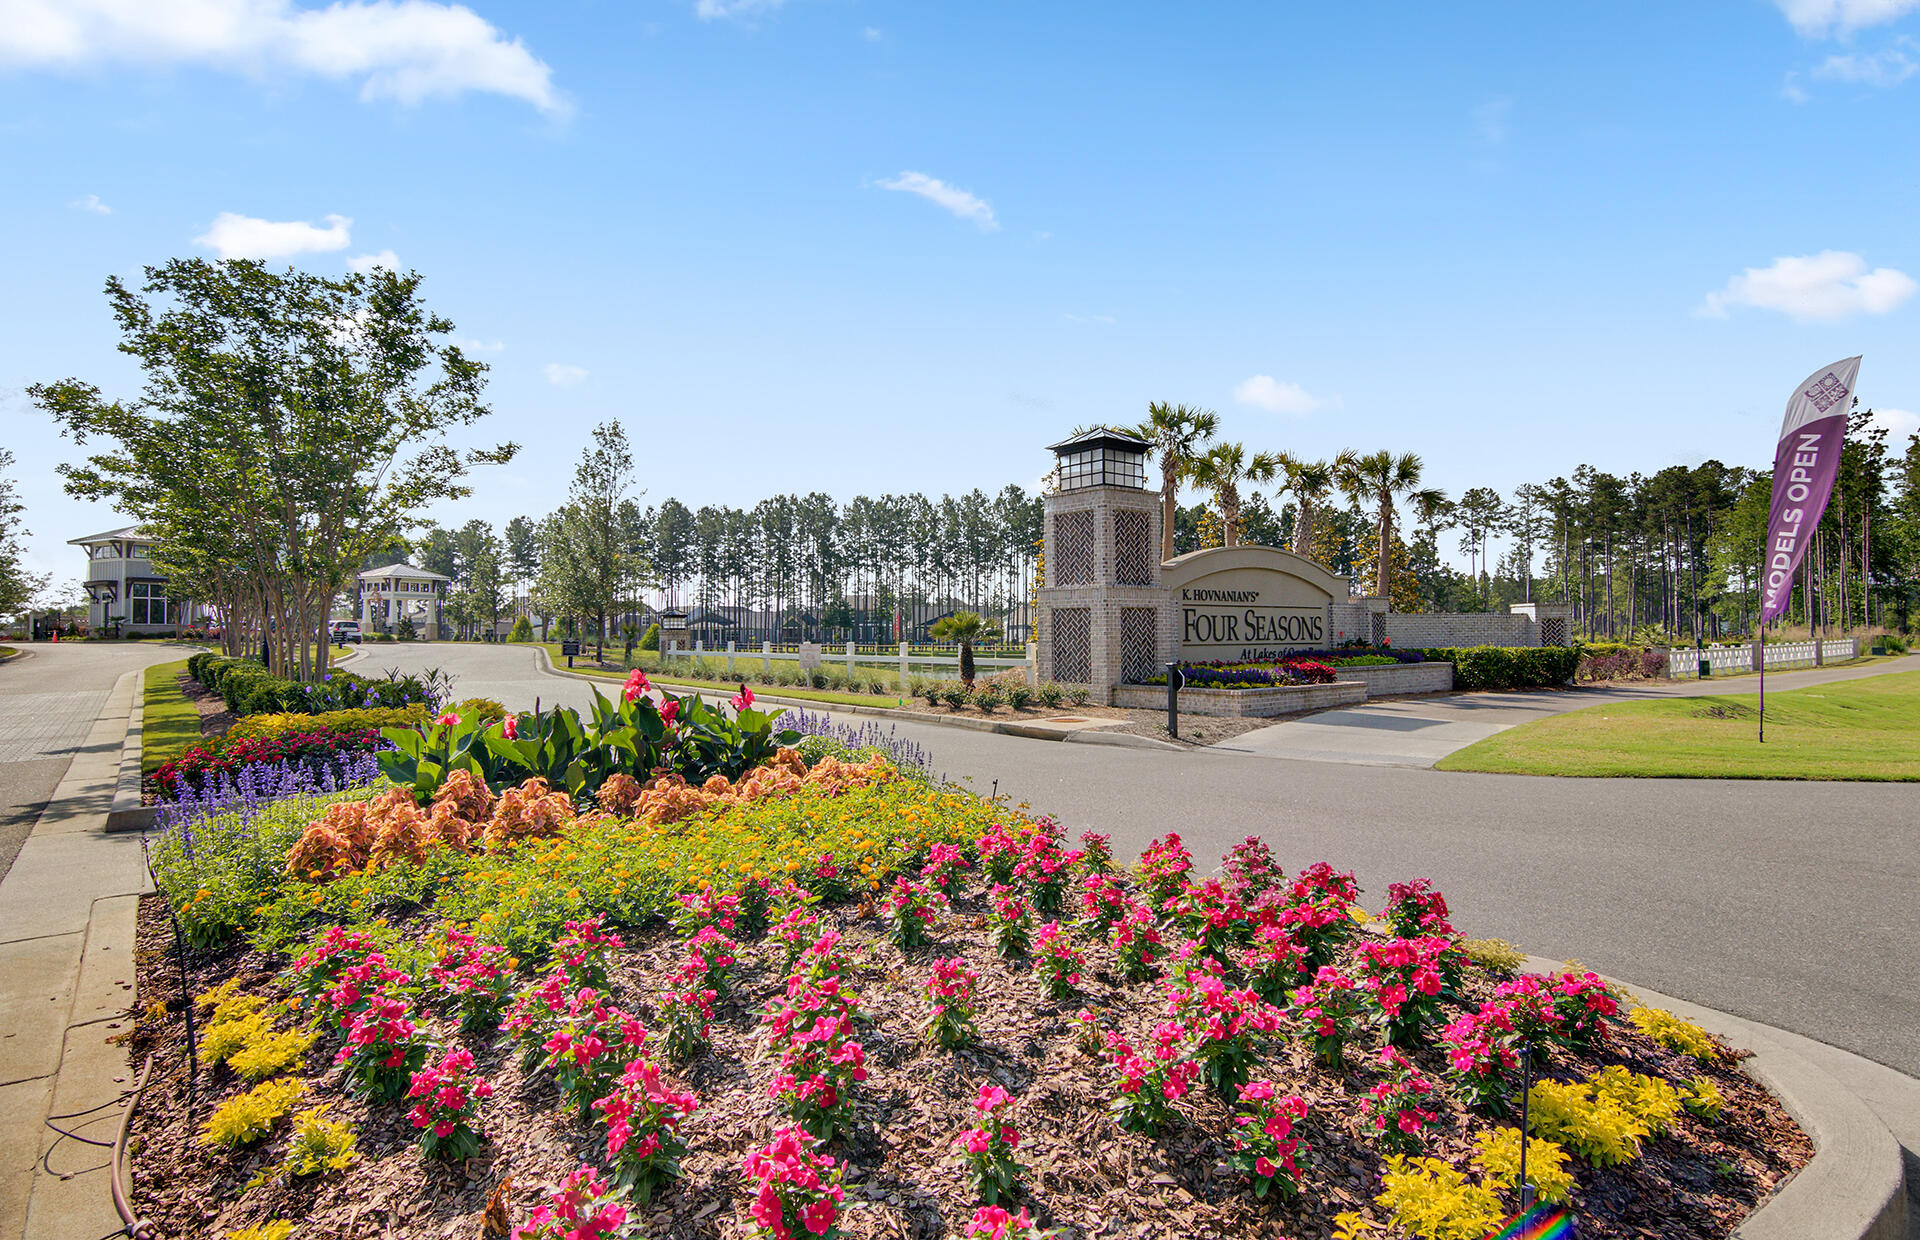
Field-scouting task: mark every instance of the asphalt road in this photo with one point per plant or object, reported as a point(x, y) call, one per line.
point(49, 698)
point(1794, 904)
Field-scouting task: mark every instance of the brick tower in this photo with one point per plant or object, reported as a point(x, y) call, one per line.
point(1104, 615)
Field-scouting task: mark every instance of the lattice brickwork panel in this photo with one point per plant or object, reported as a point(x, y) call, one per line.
point(1072, 551)
point(1133, 548)
point(1553, 631)
point(1139, 649)
point(1379, 627)
point(1073, 645)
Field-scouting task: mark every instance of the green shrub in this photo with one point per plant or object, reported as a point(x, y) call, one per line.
point(375, 717)
point(1051, 695)
point(247, 1117)
point(1494, 955)
point(522, 631)
point(988, 697)
point(954, 694)
point(486, 710)
point(650, 640)
point(1508, 667)
point(319, 1144)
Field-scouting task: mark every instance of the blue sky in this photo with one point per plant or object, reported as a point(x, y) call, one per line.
point(868, 246)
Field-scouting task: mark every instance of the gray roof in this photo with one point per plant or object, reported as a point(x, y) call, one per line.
point(1103, 437)
point(390, 571)
point(124, 532)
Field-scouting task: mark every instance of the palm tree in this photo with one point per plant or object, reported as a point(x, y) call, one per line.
point(1221, 470)
point(1176, 433)
point(1378, 479)
point(965, 627)
point(1309, 482)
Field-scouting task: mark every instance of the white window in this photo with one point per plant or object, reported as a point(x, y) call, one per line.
point(140, 551)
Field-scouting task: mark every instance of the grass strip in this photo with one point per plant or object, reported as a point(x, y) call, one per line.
point(171, 724)
point(1865, 729)
point(667, 676)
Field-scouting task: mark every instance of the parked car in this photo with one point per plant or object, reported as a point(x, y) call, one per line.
point(345, 631)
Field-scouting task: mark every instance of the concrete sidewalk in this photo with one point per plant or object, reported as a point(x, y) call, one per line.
point(67, 911)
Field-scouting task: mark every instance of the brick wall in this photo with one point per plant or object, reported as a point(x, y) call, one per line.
point(1421, 631)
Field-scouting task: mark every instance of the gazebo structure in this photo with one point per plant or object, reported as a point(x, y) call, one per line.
point(387, 594)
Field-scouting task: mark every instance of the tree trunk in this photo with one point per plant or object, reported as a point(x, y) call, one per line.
point(1382, 581)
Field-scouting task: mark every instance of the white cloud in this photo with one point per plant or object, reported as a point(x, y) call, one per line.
point(91, 203)
point(1490, 120)
point(1887, 67)
point(364, 263)
point(469, 345)
point(242, 236)
point(871, 34)
point(1818, 17)
point(1277, 395)
point(1901, 426)
point(562, 375)
point(1832, 284)
point(407, 50)
point(959, 201)
point(1791, 90)
point(739, 10)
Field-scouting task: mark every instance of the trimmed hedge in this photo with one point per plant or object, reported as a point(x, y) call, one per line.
point(1508, 667)
point(248, 688)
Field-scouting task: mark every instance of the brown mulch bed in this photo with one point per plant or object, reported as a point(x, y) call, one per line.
point(1083, 1172)
point(215, 718)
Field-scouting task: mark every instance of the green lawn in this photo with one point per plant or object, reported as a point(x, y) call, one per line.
point(651, 664)
point(1857, 729)
point(171, 724)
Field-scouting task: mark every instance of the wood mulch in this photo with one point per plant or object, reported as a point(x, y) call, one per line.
point(215, 718)
point(1083, 1172)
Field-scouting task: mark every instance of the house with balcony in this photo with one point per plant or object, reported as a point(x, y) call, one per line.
point(128, 594)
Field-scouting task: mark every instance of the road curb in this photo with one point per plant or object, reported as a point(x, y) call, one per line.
point(1855, 1187)
point(127, 813)
point(1029, 731)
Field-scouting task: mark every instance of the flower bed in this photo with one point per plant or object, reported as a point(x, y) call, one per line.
point(1147, 1055)
point(319, 752)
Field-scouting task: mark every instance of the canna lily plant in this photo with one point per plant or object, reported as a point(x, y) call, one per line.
point(643, 732)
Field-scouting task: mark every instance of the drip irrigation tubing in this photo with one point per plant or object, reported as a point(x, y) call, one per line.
point(137, 1228)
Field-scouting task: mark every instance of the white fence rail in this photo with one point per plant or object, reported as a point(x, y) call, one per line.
point(1683, 662)
point(904, 662)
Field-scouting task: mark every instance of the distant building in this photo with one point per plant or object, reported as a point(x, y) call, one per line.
point(128, 594)
point(386, 594)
